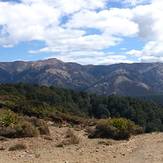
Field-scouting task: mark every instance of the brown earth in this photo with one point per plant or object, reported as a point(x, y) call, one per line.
point(147, 148)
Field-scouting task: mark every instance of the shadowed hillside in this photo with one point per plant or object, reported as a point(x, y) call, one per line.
point(122, 79)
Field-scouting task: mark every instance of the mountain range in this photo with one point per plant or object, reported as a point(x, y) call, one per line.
point(137, 79)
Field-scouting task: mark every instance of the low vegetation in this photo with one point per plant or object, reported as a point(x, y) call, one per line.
point(17, 147)
point(23, 105)
point(14, 126)
point(70, 139)
point(116, 128)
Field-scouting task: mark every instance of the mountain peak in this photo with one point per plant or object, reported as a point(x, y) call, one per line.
point(124, 79)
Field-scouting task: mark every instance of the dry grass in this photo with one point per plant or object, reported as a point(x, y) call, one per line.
point(73, 139)
point(70, 139)
point(17, 147)
point(107, 143)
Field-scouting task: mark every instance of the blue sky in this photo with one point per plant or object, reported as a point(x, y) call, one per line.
point(87, 32)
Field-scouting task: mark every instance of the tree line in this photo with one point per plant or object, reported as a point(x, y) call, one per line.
point(40, 100)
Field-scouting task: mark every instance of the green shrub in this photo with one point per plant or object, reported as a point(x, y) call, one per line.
point(14, 126)
point(116, 128)
point(8, 118)
point(19, 130)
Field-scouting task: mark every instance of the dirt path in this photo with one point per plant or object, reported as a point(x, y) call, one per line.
point(146, 148)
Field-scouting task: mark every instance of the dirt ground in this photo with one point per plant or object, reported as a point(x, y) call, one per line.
point(147, 148)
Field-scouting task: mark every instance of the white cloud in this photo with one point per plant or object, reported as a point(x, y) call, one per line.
point(113, 21)
point(43, 21)
point(84, 57)
point(149, 19)
point(21, 22)
point(70, 6)
point(152, 51)
point(135, 2)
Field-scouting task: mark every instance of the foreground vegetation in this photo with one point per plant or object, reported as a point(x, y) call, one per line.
point(14, 126)
point(116, 128)
point(20, 102)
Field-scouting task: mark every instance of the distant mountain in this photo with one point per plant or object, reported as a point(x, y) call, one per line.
point(138, 79)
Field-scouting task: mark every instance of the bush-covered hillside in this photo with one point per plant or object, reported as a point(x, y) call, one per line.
point(48, 102)
point(153, 98)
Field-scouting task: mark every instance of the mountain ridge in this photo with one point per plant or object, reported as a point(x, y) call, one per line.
point(121, 79)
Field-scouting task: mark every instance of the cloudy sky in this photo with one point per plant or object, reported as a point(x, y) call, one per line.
point(83, 31)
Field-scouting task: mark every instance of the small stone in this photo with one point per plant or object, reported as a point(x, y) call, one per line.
point(37, 155)
point(122, 154)
point(66, 162)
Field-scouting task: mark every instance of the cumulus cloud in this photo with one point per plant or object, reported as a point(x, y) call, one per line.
point(149, 20)
point(84, 57)
point(65, 26)
point(113, 21)
point(135, 2)
point(20, 22)
point(152, 50)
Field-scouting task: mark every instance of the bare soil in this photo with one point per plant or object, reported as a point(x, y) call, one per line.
point(146, 148)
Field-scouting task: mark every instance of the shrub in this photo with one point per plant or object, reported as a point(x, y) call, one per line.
point(17, 147)
point(40, 125)
point(25, 129)
point(56, 119)
point(116, 128)
point(71, 139)
point(7, 118)
point(3, 138)
point(72, 119)
point(14, 126)
point(19, 130)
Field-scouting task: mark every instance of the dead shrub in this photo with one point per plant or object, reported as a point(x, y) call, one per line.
point(70, 139)
point(40, 125)
point(73, 139)
point(17, 147)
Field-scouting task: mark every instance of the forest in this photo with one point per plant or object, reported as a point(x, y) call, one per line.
point(43, 102)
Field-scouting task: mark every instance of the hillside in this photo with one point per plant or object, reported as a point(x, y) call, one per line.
point(153, 98)
point(43, 102)
point(139, 79)
point(55, 125)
